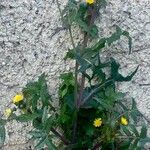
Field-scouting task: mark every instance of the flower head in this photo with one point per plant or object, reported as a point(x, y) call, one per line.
point(124, 121)
point(8, 112)
point(90, 1)
point(97, 122)
point(18, 98)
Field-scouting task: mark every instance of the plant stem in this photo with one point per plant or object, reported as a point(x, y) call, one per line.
point(85, 41)
point(75, 88)
point(76, 68)
point(96, 146)
point(78, 99)
point(58, 5)
point(62, 138)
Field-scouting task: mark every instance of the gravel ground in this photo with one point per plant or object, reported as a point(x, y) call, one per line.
point(32, 41)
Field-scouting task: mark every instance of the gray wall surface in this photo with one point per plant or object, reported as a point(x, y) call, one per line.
point(32, 42)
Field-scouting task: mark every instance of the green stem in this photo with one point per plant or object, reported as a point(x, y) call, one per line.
point(85, 41)
point(58, 5)
point(75, 88)
point(76, 69)
point(71, 37)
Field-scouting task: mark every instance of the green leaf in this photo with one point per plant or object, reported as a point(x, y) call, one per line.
point(44, 94)
point(2, 132)
point(143, 133)
point(89, 131)
point(143, 141)
point(125, 145)
point(45, 114)
point(37, 134)
point(35, 92)
point(68, 78)
point(123, 106)
point(27, 117)
point(134, 130)
point(50, 144)
point(69, 13)
point(115, 72)
point(84, 63)
point(48, 124)
point(70, 54)
point(97, 71)
point(101, 4)
point(67, 85)
point(126, 130)
point(135, 114)
point(115, 36)
point(133, 146)
point(41, 143)
point(133, 104)
point(93, 31)
point(99, 45)
point(64, 92)
point(125, 33)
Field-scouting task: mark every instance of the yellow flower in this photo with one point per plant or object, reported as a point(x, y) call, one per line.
point(97, 122)
point(90, 1)
point(124, 121)
point(18, 98)
point(8, 112)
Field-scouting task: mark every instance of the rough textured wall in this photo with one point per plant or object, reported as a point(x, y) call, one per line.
point(31, 42)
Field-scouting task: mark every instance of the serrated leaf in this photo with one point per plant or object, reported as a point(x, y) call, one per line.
point(125, 145)
point(125, 33)
point(70, 54)
point(124, 107)
point(45, 114)
point(93, 31)
point(27, 117)
point(64, 92)
point(2, 133)
point(50, 144)
point(133, 146)
point(48, 124)
point(37, 134)
point(134, 130)
point(97, 71)
point(115, 36)
point(133, 104)
point(41, 143)
point(84, 63)
point(90, 131)
point(99, 45)
point(143, 133)
point(115, 72)
point(142, 142)
point(126, 130)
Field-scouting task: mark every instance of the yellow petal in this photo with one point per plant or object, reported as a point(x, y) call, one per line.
point(97, 122)
point(124, 121)
point(8, 112)
point(89, 1)
point(18, 98)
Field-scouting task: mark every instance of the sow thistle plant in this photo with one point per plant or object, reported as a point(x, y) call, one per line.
point(92, 113)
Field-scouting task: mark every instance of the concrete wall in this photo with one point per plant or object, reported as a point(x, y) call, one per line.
point(32, 42)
